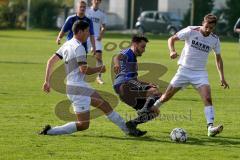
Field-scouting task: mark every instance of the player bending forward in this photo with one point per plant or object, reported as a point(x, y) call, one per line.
point(199, 41)
point(78, 91)
point(138, 94)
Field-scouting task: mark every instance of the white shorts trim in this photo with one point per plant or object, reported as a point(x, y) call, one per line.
point(185, 77)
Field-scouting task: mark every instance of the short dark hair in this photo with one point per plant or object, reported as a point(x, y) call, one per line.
point(138, 38)
point(210, 18)
point(79, 25)
point(82, 1)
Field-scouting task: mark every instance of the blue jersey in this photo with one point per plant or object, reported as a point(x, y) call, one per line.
point(67, 27)
point(128, 68)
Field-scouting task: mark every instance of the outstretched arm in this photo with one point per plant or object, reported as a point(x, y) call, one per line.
point(103, 29)
point(54, 59)
point(171, 46)
point(59, 37)
point(116, 61)
point(219, 64)
point(92, 39)
point(84, 68)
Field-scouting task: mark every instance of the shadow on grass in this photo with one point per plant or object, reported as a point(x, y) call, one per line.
point(15, 62)
point(3, 93)
point(213, 141)
point(124, 138)
point(186, 99)
point(202, 141)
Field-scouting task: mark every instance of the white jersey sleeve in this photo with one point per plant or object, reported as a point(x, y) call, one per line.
point(104, 18)
point(216, 47)
point(81, 54)
point(64, 52)
point(184, 33)
point(59, 52)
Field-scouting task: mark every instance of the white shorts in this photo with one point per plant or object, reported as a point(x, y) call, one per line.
point(80, 97)
point(185, 76)
point(98, 45)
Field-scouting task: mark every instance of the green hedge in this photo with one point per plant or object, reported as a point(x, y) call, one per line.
point(43, 14)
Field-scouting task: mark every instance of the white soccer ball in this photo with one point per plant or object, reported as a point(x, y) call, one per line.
point(178, 135)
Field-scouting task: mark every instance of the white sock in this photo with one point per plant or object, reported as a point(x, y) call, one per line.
point(118, 120)
point(209, 114)
point(64, 129)
point(158, 103)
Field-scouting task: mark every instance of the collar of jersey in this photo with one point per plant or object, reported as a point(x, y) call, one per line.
point(94, 9)
point(77, 40)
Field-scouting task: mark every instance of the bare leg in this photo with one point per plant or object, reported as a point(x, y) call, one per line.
point(83, 120)
point(99, 63)
point(205, 93)
point(168, 94)
point(98, 102)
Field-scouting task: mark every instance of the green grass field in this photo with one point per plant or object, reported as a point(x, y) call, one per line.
point(25, 109)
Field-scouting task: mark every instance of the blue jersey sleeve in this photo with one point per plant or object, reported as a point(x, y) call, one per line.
point(67, 25)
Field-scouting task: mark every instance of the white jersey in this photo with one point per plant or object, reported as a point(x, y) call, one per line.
point(73, 53)
point(98, 18)
point(197, 47)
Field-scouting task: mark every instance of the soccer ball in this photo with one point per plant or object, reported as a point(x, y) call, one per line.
point(178, 135)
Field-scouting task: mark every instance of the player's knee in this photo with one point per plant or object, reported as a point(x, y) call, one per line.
point(156, 113)
point(153, 91)
point(164, 98)
point(98, 57)
point(82, 126)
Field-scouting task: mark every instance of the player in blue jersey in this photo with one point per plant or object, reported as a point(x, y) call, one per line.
point(67, 27)
point(137, 94)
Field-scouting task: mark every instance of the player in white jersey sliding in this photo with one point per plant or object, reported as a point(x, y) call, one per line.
point(199, 41)
point(98, 18)
point(79, 92)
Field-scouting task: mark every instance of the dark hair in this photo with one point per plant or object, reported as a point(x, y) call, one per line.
point(138, 38)
point(79, 25)
point(82, 1)
point(210, 18)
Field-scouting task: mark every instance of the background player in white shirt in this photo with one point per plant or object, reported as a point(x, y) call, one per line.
point(199, 41)
point(98, 18)
point(78, 91)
